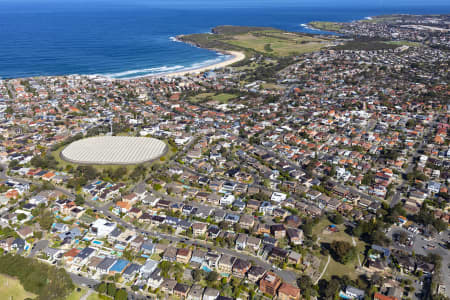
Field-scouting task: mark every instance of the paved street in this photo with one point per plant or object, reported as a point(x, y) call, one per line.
point(420, 246)
point(288, 276)
point(39, 246)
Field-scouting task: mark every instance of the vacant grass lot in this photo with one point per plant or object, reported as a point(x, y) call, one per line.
point(278, 43)
point(10, 288)
point(96, 296)
point(334, 267)
point(76, 295)
point(222, 97)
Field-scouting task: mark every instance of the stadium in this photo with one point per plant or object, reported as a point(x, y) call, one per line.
point(114, 150)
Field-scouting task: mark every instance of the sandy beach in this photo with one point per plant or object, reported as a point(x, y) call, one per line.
point(236, 56)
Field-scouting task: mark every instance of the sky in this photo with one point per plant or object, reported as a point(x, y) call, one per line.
point(246, 3)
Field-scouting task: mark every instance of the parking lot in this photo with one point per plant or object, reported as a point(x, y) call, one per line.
point(421, 246)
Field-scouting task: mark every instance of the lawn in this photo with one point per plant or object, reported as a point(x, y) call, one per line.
point(76, 295)
point(222, 97)
point(10, 288)
point(334, 267)
point(278, 43)
point(96, 296)
point(405, 43)
point(327, 26)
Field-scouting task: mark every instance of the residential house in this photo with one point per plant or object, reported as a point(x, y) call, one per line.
point(225, 264)
point(288, 292)
point(255, 273)
point(294, 257)
point(196, 292)
point(148, 248)
point(168, 286)
point(105, 266)
point(278, 231)
point(119, 267)
point(295, 236)
point(148, 268)
point(247, 222)
point(184, 255)
point(131, 271)
point(269, 283)
point(155, 280)
point(240, 267)
point(198, 256)
point(199, 229)
point(241, 241)
point(212, 294)
point(170, 254)
point(181, 290)
point(253, 243)
point(83, 257)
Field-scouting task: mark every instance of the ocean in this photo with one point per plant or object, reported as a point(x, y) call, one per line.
point(120, 39)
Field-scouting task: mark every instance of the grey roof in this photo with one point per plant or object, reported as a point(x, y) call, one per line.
point(73, 233)
point(354, 290)
point(106, 264)
point(133, 268)
point(115, 233)
point(85, 253)
point(51, 251)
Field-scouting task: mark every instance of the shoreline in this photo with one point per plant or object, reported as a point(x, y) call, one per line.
point(236, 56)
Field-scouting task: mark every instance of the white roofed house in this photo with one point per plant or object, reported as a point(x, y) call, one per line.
point(102, 227)
point(227, 199)
point(278, 197)
point(38, 199)
point(434, 187)
point(148, 268)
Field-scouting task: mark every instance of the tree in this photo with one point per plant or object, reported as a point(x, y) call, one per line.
point(307, 228)
point(212, 276)
point(343, 251)
point(198, 274)
point(111, 289)
point(305, 284)
point(165, 267)
point(79, 200)
point(101, 288)
point(46, 220)
point(336, 218)
point(121, 295)
point(21, 216)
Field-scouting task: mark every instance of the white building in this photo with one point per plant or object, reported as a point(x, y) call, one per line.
point(278, 197)
point(102, 227)
point(227, 199)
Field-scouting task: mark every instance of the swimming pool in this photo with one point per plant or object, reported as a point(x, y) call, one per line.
point(344, 296)
point(119, 247)
point(206, 269)
point(97, 242)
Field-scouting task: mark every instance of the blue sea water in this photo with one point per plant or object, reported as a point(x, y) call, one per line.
point(126, 39)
